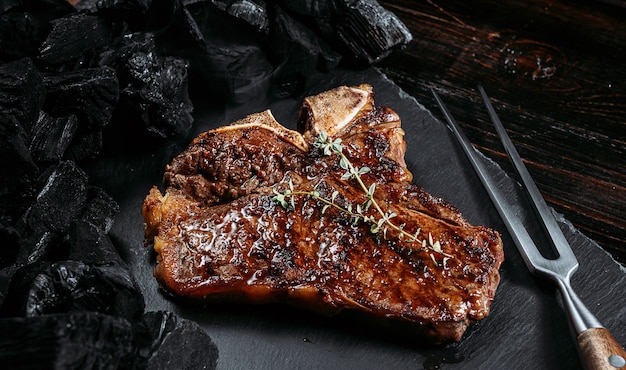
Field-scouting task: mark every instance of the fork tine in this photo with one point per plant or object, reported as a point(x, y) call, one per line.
point(522, 239)
point(603, 348)
point(547, 218)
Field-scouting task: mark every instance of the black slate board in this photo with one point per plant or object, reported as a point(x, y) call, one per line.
point(526, 329)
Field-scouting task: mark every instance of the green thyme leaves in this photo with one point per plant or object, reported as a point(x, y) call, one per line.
point(381, 223)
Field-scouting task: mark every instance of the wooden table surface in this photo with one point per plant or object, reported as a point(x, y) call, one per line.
point(555, 72)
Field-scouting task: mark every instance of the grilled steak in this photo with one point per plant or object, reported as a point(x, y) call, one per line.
point(220, 233)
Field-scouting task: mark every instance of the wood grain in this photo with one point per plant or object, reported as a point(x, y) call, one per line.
point(556, 75)
point(600, 350)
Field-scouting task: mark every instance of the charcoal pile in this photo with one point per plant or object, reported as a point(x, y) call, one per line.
point(68, 300)
point(82, 78)
point(137, 66)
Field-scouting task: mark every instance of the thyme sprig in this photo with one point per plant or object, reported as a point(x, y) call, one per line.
point(383, 223)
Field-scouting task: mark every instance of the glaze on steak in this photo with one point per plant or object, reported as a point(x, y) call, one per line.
point(219, 235)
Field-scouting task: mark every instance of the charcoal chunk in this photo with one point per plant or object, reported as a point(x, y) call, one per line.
point(51, 137)
point(300, 51)
point(163, 339)
point(85, 145)
point(16, 294)
point(236, 73)
point(8, 4)
point(187, 345)
point(171, 112)
point(152, 330)
point(100, 209)
point(26, 24)
point(72, 286)
point(90, 94)
point(183, 38)
point(154, 90)
point(91, 245)
point(252, 12)
point(370, 31)
point(301, 45)
point(10, 243)
point(16, 41)
point(82, 340)
point(118, 54)
point(157, 94)
point(225, 22)
point(119, 8)
point(61, 199)
point(88, 340)
point(22, 92)
point(159, 16)
point(73, 36)
point(315, 8)
point(18, 171)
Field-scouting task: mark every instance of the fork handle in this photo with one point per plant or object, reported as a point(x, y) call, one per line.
point(601, 350)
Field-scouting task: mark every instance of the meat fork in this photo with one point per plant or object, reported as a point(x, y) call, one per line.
point(599, 349)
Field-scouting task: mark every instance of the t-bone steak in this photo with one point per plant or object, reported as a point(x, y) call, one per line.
point(220, 233)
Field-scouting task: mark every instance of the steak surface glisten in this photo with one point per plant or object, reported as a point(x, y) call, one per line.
point(219, 234)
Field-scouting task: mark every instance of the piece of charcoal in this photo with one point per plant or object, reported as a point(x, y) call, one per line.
point(91, 245)
point(18, 171)
point(170, 109)
point(315, 8)
point(61, 199)
point(153, 89)
point(88, 6)
point(22, 92)
point(6, 274)
point(10, 243)
point(19, 283)
point(301, 45)
point(183, 38)
point(100, 209)
point(252, 12)
point(81, 340)
point(73, 36)
point(25, 25)
point(72, 286)
point(121, 9)
point(188, 346)
point(151, 330)
point(51, 137)
point(85, 145)
point(370, 31)
point(48, 9)
point(236, 73)
point(157, 95)
point(16, 42)
point(300, 51)
point(117, 55)
point(159, 16)
point(90, 94)
point(163, 339)
point(8, 5)
point(220, 27)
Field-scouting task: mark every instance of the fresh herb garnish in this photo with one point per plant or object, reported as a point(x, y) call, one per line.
point(384, 220)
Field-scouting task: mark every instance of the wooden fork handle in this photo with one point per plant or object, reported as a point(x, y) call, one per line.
point(600, 350)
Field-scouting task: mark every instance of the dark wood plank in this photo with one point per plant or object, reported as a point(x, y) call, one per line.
point(555, 72)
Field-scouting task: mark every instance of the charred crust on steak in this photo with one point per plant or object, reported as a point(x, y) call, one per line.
point(219, 235)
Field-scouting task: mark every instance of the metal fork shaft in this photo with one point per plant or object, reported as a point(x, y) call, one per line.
point(545, 215)
point(598, 347)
